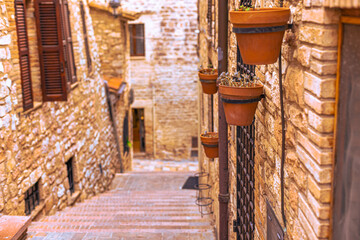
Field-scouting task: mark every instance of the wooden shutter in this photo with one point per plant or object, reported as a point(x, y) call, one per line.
point(51, 56)
point(23, 44)
point(86, 40)
point(67, 43)
point(137, 39)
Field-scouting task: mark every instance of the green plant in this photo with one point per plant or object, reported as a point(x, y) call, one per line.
point(237, 80)
point(246, 8)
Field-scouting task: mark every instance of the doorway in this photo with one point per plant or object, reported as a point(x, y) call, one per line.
point(346, 213)
point(138, 130)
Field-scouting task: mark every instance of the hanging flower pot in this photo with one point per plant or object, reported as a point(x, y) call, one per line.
point(210, 143)
point(208, 78)
point(240, 98)
point(259, 33)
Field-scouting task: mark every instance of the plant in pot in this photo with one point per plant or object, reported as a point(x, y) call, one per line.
point(259, 32)
point(207, 77)
point(240, 95)
point(210, 142)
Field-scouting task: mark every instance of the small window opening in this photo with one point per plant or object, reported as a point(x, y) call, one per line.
point(32, 198)
point(70, 172)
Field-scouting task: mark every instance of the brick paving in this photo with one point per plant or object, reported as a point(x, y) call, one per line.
point(160, 165)
point(141, 205)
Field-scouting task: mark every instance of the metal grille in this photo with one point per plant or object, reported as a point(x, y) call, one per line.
point(32, 198)
point(69, 167)
point(245, 137)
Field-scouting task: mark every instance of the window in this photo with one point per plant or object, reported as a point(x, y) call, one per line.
point(24, 58)
point(137, 39)
point(55, 48)
point(32, 198)
point(70, 172)
point(86, 40)
point(194, 147)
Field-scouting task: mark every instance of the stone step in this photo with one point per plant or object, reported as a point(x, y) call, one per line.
point(119, 225)
point(127, 213)
point(116, 218)
point(136, 231)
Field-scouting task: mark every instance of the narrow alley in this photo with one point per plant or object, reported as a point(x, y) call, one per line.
point(139, 205)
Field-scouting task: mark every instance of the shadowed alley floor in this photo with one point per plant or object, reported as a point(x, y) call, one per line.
point(141, 205)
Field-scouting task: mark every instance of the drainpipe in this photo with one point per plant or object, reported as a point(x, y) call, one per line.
point(223, 128)
point(113, 121)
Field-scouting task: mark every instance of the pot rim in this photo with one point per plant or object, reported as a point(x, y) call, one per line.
point(258, 85)
point(202, 136)
point(262, 10)
point(264, 16)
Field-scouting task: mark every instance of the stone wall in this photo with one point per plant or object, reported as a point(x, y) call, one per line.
point(309, 60)
point(166, 86)
point(112, 37)
point(35, 144)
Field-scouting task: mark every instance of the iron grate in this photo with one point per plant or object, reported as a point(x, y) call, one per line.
point(244, 225)
point(32, 198)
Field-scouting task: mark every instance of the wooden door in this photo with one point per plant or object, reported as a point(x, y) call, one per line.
point(346, 213)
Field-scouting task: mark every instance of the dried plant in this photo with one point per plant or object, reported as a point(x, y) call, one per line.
point(237, 80)
point(210, 135)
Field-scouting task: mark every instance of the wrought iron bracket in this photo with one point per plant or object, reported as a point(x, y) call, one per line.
point(209, 145)
point(207, 81)
point(243, 101)
point(224, 198)
point(263, 29)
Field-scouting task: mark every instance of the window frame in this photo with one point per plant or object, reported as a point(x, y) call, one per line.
point(133, 36)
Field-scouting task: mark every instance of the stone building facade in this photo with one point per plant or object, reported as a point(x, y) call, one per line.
point(310, 70)
point(112, 37)
point(164, 79)
point(37, 144)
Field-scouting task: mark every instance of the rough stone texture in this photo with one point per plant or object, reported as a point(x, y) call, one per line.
point(165, 79)
point(35, 145)
point(309, 59)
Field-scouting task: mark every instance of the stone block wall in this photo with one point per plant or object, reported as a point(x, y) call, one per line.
point(166, 86)
point(309, 60)
point(34, 145)
point(112, 37)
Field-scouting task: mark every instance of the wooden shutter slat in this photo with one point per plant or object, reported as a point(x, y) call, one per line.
point(86, 40)
point(23, 45)
point(68, 44)
point(53, 80)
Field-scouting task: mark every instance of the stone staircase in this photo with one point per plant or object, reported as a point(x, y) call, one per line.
point(140, 206)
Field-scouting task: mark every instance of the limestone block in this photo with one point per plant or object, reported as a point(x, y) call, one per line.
point(320, 15)
point(319, 35)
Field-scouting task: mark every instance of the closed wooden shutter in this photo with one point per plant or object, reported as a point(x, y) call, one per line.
point(51, 56)
point(137, 39)
point(23, 44)
point(67, 43)
point(86, 40)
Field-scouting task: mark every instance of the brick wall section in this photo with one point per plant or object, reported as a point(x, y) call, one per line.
point(166, 86)
point(35, 145)
point(309, 58)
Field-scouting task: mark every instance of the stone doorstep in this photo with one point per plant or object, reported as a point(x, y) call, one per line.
point(14, 227)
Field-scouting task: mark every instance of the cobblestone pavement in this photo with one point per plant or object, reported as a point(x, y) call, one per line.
point(159, 165)
point(141, 205)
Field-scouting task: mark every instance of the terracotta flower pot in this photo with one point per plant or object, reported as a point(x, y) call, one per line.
point(208, 80)
point(259, 33)
point(240, 113)
point(210, 143)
